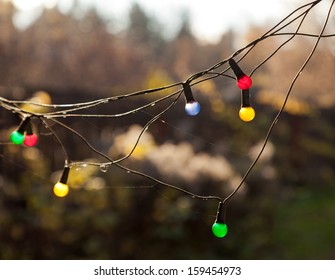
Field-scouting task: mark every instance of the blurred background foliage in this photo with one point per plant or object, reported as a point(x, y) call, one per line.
point(286, 208)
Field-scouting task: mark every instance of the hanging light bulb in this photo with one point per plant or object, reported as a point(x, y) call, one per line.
point(219, 228)
point(246, 113)
point(30, 139)
point(192, 107)
point(243, 81)
point(17, 136)
point(61, 189)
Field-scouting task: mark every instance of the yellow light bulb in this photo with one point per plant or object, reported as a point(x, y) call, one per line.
point(61, 189)
point(247, 114)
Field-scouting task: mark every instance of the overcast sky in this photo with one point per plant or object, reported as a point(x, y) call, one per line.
point(210, 18)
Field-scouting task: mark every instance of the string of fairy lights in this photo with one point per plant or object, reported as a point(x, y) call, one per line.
point(228, 68)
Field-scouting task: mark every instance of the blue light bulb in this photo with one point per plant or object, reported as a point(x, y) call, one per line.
point(192, 108)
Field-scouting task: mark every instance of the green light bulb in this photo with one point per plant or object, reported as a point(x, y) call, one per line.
point(16, 137)
point(219, 230)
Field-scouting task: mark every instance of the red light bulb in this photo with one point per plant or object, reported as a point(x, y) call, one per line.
point(30, 140)
point(244, 82)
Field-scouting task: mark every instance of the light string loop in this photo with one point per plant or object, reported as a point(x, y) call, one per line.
point(25, 132)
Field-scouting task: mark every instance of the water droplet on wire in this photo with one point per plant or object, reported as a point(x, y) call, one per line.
point(103, 167)
point(81, 166)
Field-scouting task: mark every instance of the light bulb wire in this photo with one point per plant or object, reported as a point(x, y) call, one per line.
point(213, 72)
point(58, 140)
point(117, 162)
point(276, 119)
